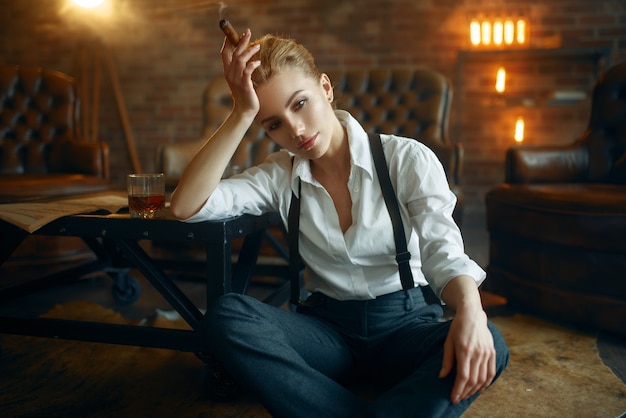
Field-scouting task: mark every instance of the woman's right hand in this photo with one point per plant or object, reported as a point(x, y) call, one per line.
point(238, 69)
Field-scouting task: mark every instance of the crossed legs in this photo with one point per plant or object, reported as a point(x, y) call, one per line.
point(297, 364)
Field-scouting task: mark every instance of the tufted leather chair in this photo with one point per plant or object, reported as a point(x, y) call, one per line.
point(558, 225)
point(40, 152)
point(408, 102)
point(41, 155)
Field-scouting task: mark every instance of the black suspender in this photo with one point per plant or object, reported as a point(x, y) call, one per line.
point(402, 254)
point(295, 261)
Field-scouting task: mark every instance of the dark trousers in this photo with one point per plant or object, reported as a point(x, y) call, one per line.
point(298, 364)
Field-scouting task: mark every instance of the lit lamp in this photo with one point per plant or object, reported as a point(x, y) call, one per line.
point(93, 57)
point(498, 32)
point(521, 31)
point(485, 32)
point(88, 4)
point(500, 80)
point(519, 129)
point(509, 31)
point(475, 32)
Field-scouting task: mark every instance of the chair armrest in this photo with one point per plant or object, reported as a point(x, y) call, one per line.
point(91, 158)
point(546, 164)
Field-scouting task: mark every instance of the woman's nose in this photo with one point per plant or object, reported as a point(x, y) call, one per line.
point(296, 127)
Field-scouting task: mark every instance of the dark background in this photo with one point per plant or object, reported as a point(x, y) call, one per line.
point(166, 51)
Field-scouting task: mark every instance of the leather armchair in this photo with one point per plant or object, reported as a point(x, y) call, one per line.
point(558, 225)
point(40, 152)
point(408, 102)
point(42, 156)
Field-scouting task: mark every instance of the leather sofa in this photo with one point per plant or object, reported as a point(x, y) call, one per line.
point(41, 153)
point(557, 225)
point(411, 102)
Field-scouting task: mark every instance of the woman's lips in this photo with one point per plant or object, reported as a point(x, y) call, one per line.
point(307, 143)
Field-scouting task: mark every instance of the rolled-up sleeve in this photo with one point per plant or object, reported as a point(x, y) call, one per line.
point(253, 191)
point(430, 203)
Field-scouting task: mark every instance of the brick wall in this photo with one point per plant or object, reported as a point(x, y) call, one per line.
point(165, 52)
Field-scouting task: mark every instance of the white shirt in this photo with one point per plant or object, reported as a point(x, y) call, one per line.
point(359, 264)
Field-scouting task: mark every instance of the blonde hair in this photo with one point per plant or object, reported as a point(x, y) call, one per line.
point(278, 54)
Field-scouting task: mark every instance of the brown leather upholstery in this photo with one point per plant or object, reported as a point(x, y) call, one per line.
point(408, 102)
point(558, 225)
point(40, 154)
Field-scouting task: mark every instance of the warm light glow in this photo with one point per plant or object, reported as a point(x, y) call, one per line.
point(486, 32)
point(475, 32)
point(509, 31)
point(88, 4)
point(91, 10)
point(497, 32)
point(500, 80)
point(519, 129)
point(521, 31)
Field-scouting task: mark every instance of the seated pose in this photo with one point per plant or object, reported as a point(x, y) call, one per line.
point(359, 321)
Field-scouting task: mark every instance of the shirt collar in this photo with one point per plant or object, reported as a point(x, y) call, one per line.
point(359, 151)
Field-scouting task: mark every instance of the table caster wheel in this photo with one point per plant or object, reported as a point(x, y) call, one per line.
point(218, 384)
point(126, 289)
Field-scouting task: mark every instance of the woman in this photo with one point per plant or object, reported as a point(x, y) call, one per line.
point(358, 320)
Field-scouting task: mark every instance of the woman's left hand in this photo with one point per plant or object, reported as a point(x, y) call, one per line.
point(470, 347)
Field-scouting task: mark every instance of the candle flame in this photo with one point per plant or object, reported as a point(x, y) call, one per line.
point(486, 32)
point(509, 30)
point(498, 32)
point(500, 80)
point(475, 32)
point(521, 31)
point(519, 129)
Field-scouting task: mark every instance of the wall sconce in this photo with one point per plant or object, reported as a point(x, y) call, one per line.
point(499, 31)
point(519, 129)
point(500, 80)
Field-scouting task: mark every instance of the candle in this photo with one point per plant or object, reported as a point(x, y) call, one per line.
point(498, 32)
point(486, 32)
point(521, 31)
point(475, 33)
point(519, 129)
point(509, 31)
point(500, 80)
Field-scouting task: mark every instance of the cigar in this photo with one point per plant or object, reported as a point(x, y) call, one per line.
point(230, 32)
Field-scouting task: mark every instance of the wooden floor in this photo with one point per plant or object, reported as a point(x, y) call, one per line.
point(98, 288)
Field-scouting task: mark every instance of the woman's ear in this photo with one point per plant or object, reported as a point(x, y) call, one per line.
point(327, 87)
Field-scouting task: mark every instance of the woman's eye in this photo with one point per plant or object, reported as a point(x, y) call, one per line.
point(273, 125)
point(300, 103)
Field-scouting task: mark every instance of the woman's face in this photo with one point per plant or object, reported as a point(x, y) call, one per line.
point(296, 112)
